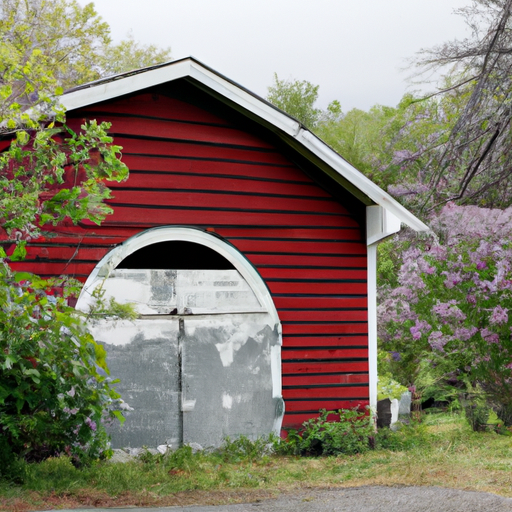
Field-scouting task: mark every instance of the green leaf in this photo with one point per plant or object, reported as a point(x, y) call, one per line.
point(19, 253)
point(119, 416)
point(22, 276)
point(8, 362)
point(33, 374)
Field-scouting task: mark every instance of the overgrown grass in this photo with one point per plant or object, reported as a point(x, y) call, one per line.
point(441, 451)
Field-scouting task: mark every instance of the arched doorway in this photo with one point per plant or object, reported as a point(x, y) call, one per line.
point(203, 359)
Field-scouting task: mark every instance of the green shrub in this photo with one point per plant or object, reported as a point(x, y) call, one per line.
point(12, 468)
point(389, 388)
point(54, 389)
point(352, 433)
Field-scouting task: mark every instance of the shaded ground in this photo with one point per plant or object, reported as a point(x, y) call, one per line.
point(357, 499)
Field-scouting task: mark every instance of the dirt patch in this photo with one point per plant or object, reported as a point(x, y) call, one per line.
point(101, 500)
point(347, 499)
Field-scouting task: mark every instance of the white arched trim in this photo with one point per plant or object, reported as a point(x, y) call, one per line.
point(170, 233)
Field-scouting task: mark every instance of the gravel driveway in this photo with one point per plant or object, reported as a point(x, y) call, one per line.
point(360, 499)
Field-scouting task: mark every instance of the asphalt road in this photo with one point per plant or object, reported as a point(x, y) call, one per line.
point(357, 499)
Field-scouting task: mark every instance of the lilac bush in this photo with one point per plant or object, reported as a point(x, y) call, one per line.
point(448, 322)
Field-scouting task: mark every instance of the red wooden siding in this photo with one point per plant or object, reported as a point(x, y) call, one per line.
point(190, 167)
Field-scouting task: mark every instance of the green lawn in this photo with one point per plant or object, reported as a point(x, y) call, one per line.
point(441, 451)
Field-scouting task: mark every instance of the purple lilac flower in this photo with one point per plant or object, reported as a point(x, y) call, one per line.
point(437, 341)
point(401, 155)
point(489, 336)
point(425, 267)
point(91, 424)
point(416, 329)
point(439, 252)
point(471, 299)
point(499, 315)
point(452, 279)
point(396, 356)
point(481, 265)
point(449, 310)
point(464, 334)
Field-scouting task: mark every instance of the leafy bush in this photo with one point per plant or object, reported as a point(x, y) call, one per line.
point(54, 390)
point(352, 433)
point(389, 388)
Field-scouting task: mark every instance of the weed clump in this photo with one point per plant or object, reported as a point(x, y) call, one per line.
point(353, 432)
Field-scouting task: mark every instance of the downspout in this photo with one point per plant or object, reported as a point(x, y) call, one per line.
point(380, 224)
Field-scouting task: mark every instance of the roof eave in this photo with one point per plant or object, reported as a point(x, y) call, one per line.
point(344, 172)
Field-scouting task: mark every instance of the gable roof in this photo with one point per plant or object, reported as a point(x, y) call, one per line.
point(284, 126)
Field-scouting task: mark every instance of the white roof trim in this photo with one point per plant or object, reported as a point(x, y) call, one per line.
point(120, 85)
point(351, 174)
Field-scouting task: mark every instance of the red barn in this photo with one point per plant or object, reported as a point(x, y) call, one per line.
point(249, 247)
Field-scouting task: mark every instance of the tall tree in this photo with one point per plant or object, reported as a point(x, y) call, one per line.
point(130, 54)
point(70, 43)
point(296, 98)
point(357, 135)
point(479, 142)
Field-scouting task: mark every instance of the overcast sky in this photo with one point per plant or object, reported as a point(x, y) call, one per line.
point(354, 49)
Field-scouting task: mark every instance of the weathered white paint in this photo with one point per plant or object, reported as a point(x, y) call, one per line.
point(227, 401)
point(308, 143)
point(163, 234)
point(236, 335)
point(225, 364)
point(225, 291)
point(121, 332)
point(188, 405)
point(158, 292)
point(241, 369)
point(143, 353)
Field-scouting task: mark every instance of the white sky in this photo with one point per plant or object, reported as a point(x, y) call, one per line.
point(355, 50)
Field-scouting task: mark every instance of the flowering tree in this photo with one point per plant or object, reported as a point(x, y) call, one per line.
point(448, 319)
